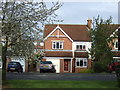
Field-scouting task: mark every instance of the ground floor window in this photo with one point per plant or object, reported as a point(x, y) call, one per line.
point(0, 64)
point(81, 62)
point(116, 45)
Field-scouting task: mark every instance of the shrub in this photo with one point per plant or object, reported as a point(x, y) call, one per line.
point(99, 67)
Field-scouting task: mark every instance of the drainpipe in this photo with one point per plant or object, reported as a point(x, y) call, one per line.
point(119, 39)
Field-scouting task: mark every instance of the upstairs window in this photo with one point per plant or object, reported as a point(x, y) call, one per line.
point(116, 45)
point(80, 47)
point(57, 45)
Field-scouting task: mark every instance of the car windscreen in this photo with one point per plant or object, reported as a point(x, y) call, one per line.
point(12, 63)
point(46, 62)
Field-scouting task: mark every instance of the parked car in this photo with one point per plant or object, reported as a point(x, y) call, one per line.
point(114, 66)
point(14, 67)
point(47, 66)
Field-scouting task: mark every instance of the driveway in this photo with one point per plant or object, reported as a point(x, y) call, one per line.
point(62, 76)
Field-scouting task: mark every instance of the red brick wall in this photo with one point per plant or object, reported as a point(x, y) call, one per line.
point(67, 45)
point(77, 70)
point(89, 63)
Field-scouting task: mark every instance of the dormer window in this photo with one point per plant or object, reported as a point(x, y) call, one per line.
point(57, 45)
point(116, 45)
point(80, 47)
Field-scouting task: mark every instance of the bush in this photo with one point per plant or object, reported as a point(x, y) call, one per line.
point(87, 71)
point(99, 67)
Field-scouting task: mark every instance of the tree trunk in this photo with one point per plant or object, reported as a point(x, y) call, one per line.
point(4, 53)
point(4, 64)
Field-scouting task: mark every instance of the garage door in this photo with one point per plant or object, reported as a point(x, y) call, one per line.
point(56, 62)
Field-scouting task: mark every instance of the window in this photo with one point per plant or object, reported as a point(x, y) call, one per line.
point(80, 47)
point(116, 44)
point(57, 45)
point(0, 64)
point(81, 62)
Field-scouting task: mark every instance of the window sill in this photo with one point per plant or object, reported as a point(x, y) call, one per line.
point(80, 50)
point(57, 49)
point(81, 67)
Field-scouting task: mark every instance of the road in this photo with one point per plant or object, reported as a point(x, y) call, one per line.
point(62, 76)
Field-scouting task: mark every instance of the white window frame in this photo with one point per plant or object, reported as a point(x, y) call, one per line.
point(116, 42)
point(82, 47)
point(81, 59)
point(55, 43)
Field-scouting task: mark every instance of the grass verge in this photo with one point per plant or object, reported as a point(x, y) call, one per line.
point(59, 84)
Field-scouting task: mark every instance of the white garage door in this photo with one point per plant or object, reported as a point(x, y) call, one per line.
point(56, 62)
point(21, 61)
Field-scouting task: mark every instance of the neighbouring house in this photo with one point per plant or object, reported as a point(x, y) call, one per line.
point(67, 46)
point(10, 57)
point(115, 43)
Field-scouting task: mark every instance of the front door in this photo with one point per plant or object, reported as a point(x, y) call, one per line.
point(65, 65)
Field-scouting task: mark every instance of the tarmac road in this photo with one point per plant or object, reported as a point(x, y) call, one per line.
point(61, 76)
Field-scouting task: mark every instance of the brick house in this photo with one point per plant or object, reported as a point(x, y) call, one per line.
point(114, 43)
point(67, 46)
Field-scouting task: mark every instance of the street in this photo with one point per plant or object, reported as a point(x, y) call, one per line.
point(61, 76)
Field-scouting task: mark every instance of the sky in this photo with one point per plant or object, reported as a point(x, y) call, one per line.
point(77, 12)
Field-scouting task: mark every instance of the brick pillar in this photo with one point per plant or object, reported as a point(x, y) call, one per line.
point(26, 66)
point(73, 65)
point(61, 65)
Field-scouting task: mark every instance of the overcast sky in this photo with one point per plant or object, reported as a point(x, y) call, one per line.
point(78, 12)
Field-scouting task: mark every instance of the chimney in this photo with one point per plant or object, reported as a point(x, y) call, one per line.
point(89, 23)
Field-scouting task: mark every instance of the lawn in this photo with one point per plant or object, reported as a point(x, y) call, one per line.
point(59, 84)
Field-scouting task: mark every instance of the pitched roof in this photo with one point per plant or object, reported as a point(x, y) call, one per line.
point(75, 32)
point(113, 27)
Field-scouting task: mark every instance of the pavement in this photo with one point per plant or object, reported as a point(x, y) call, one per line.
point(61, 76)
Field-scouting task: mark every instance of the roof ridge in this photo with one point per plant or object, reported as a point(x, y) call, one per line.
point(68, 24)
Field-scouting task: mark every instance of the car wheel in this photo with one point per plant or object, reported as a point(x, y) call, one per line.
point(40, 71)
point(54, 71)
point(11, 71)
point(109, 71)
